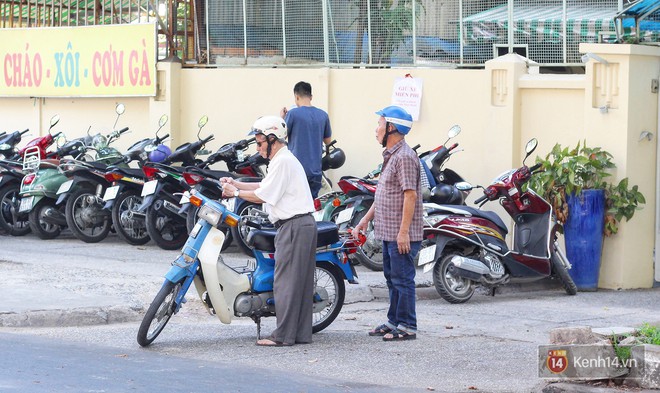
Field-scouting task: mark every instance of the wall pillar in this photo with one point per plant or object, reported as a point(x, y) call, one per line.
point(167, 102)
point(619, 106)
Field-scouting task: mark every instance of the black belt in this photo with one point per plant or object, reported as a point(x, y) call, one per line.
point(279, 223)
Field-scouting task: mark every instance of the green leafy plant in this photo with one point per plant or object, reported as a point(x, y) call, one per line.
point(648, 334)
point(390, 22)
point(568, 171)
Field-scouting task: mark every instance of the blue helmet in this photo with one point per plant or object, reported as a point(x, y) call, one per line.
point(397, 116)
point(160, 153)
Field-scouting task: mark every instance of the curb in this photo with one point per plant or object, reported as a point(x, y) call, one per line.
point(73, 317)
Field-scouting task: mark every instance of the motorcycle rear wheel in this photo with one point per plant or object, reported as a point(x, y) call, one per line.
point(132, 230)
point(9, 220)
point(370, 254)
point(560, 272)
point(329, 293)
point(452, 288)
point(167, 231)
point(41, 228)
point(159, 313)
point(81, 205)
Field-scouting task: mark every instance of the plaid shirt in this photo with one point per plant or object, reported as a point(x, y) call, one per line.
point(401, 171)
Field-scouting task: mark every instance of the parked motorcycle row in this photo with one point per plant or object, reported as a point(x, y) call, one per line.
point(174, 198)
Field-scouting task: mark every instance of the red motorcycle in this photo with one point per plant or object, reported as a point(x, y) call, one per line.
point(466, 246)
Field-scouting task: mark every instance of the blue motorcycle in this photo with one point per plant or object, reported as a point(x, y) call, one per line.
point(229, 291)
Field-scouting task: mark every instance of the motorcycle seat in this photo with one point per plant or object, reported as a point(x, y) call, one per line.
point(264, 239)
point(210, 173)
point(49, 163)
point(129, 171)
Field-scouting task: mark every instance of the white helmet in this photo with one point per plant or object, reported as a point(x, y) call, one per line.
point(270, 125)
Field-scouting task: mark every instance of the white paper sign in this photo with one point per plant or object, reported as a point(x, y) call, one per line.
point(407, 93)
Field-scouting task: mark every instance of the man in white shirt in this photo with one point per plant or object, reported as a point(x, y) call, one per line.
point(288, 202)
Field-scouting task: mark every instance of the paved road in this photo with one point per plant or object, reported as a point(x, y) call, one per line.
point(488, 344)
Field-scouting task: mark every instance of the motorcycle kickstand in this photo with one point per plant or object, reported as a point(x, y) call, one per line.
point(257, 320)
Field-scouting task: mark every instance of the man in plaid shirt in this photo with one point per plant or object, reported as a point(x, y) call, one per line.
point(397, 211)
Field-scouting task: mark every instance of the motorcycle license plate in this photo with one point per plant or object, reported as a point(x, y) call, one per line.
point(26, 204)
point(111, 193)
point(65, 187)
point(149, 187)
point(344, 215)
point(427, 255)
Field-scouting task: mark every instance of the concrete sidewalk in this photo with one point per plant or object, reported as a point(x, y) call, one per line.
point(67, 289)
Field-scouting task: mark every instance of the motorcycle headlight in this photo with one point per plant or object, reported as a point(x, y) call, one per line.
point(213, 216)
point(99, 142)
point(5, 146)
point(210, 215)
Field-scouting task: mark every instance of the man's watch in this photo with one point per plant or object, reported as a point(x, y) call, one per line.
point(237, 193)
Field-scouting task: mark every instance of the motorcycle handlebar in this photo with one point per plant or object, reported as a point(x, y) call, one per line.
point(535, 167)
point(123, 130)
point(159, 140)
point(452, 147)
point(480, 199)
point(24, 131)
point(416, 147)
point(207, 139)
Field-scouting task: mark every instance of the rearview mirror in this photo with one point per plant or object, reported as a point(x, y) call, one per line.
point(463, 186)
point(120, 109)
point(454, 130)
point(163, 120)
point(202, 121)
point(54, 120)
point(531, 146)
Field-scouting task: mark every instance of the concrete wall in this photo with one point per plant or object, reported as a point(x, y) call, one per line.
point(498, 108)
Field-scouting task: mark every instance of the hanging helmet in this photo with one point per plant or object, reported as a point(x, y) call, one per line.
point(270, 125)
point(160, 153)
point(397, 116)
point(333, 160)
point(446, 194)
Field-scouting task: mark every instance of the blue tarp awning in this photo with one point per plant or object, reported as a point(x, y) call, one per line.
point(641, 18)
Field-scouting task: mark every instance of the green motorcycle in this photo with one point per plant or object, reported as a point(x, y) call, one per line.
point(41, 182)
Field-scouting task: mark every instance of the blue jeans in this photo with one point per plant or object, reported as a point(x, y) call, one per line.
point(314, 185)
point(399, 270)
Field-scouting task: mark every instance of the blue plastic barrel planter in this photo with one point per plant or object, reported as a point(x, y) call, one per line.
point(583, 232)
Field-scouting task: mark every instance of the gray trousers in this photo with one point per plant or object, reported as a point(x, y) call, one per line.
point(293, 284)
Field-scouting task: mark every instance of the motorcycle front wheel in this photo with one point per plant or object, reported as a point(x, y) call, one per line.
point(129, 223)
point(10, 220)
point(329, 293)
point(85, 216)
point(159, 313)
point(452, 288)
